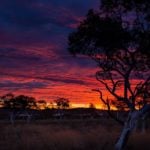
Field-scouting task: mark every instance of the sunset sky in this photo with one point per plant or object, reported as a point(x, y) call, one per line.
point(33, 48)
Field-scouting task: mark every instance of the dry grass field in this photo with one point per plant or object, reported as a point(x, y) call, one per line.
point(66, 135)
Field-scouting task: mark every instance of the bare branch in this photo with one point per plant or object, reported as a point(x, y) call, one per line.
point(107, 104)
point(115, 84)
point(141, 86)
point(108, 88)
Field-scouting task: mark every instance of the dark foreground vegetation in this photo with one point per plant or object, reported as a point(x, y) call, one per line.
point(67, 134)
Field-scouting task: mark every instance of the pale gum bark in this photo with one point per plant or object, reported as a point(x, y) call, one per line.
point(128, 128)
point(130, 124)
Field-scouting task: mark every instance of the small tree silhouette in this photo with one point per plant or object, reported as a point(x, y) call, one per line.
point(41, 104)
point(24, 102)
point(8, 100)
point(62, 103)
point(92, 106)
point(18, 106)
point(18, 102)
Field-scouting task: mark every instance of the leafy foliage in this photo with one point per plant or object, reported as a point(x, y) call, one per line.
point(117, 37)
point(18, 102)
point(62, 103)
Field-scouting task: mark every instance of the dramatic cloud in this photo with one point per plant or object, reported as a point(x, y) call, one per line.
point(33, 49)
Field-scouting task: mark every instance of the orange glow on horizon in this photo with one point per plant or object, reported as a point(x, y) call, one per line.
point(79, 95)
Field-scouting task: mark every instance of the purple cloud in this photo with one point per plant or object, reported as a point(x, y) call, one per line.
point(33, 46)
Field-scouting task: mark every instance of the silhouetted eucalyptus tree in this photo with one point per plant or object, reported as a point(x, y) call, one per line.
point(117, 37)
point(92, 106)
point(41, 104)
point(8, 100)
point(18, 106)
point(24, 102)
point(62, 103)
point(18, 102)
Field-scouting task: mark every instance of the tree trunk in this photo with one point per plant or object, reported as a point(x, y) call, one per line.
point(129, 125)
point(12, 117)
point(122, 141)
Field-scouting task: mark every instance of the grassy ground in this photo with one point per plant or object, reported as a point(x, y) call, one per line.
point(66, 135)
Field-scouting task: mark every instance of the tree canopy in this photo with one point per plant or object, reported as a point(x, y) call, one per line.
point(18, 102)
point(117, 37)
point(62, 103)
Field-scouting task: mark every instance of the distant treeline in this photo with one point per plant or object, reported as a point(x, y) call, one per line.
point(10, 101)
